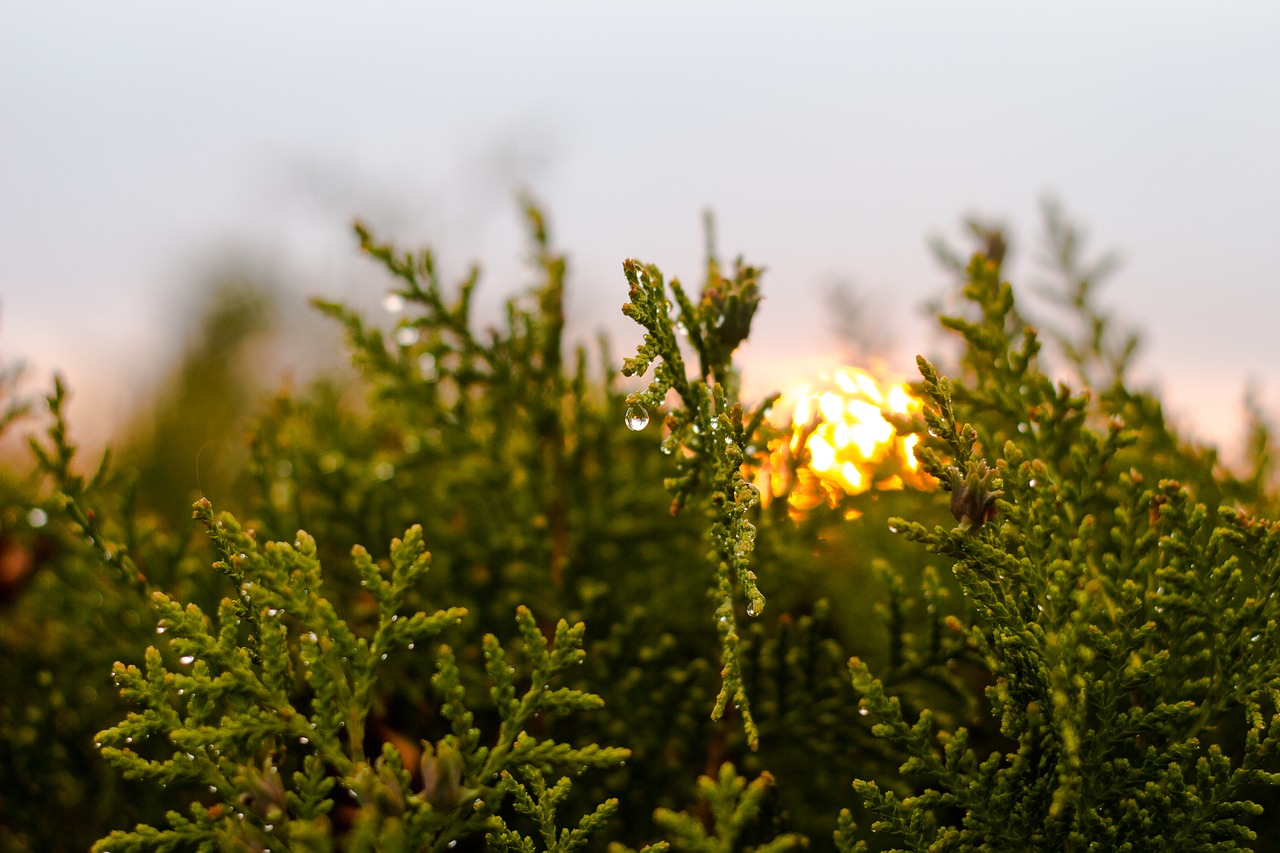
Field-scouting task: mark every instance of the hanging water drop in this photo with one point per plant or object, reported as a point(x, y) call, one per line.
point(187, 660)
point(393, 303)
point(636, 417)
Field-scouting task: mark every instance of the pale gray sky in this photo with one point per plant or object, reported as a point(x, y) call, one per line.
point(142, 142)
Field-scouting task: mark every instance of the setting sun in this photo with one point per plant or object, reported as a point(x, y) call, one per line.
point(841, 440)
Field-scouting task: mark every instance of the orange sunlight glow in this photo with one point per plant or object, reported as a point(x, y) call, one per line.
point(841, 441)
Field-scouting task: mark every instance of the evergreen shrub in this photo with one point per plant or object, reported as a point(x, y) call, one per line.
point(484, 595)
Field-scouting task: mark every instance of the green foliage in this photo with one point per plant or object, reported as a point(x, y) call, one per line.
point(1075, 648)
point(733, 804)
point(710, 434)
point(278, 681)
point(1128, 632)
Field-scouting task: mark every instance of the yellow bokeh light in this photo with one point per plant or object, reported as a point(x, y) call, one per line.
point(850, 446)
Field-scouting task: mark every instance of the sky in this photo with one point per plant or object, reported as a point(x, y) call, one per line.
point(146, 145)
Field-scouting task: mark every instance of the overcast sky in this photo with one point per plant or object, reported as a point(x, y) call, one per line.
point(144, 144)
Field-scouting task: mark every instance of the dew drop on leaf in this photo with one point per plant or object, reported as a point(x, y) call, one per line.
point(636, 417)
point(393, 303)
point(187, 660)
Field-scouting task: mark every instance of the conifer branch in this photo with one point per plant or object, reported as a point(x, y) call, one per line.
point(709, 432)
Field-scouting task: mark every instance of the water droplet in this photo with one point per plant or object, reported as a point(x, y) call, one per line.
point(410, 646)
point(893, 528)
point(1255, 638)
point(271, 611)
point(681, 328)
point(406, 336)
point(37, 517)
point(187, 660)
point(636, 417)
point(1033, 483)
point(384, 655)
point(477, 803)
point(393, 303)
point(452, 844)
point(755, 605)
point(304, 740)
point(862, 712)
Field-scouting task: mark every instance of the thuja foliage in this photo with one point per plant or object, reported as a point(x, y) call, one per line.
point(709, 432)
point(1129, 632)
point(481, 593)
